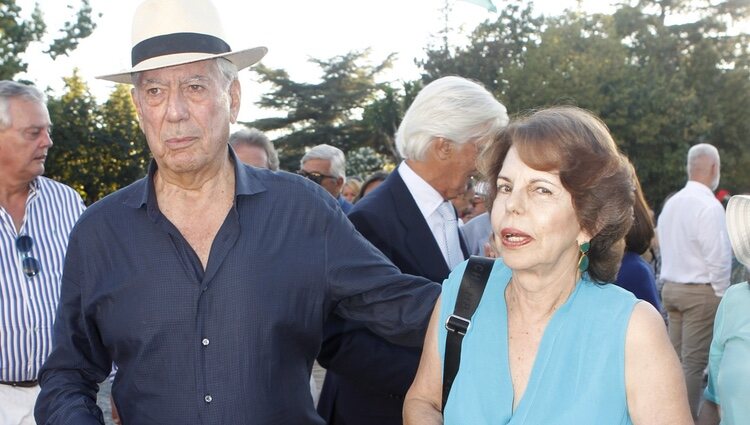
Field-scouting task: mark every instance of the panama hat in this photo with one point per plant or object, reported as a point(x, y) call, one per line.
point(175, 32)
point(738, 226)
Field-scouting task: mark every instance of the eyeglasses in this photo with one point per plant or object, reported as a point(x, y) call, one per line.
point(314, 175)
point(30, 264)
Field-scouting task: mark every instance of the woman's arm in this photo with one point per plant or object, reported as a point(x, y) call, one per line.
point(422, 405)
point(653, 377)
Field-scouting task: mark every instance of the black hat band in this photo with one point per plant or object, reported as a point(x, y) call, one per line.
point(181, 42)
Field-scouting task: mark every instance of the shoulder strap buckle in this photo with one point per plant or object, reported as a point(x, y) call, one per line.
point(457, 324)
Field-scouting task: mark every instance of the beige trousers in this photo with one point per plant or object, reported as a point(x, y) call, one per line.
point(17, 405)
point(690, 312)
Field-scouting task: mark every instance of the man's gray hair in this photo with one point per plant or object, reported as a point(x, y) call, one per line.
point(330, 153)
point(227, 68)
point(255, 137)
point(454, 108)
point(697, 155)
point(10, 90)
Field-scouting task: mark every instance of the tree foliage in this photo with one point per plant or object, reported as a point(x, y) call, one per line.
point(663, 74)
point(363, 161)
point(17, 34)
point(327, 112)
point(97, 148)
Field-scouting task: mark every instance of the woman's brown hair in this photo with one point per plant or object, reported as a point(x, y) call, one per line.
point(638, 239)
point(577, 144)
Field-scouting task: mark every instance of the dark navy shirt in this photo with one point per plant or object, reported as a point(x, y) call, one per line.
point(233, 344)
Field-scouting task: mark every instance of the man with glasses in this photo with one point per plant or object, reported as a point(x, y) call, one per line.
point(326, 166)
point(36, 217)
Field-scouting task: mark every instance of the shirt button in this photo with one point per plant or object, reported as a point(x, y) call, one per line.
point(208, 398)
point(205, 341)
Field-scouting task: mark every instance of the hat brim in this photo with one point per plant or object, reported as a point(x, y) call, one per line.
point(241, 59)
point(738, 227)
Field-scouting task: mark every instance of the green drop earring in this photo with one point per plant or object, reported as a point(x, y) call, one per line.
point(583, 262)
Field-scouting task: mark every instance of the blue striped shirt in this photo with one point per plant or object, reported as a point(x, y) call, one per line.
point(28, 304)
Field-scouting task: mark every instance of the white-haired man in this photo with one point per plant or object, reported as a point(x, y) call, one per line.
point(36, 217)
point(411, 220)
point(207, 282)
point(326, 166)
point(696, 264)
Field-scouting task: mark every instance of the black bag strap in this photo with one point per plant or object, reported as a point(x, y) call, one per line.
point(469, 294)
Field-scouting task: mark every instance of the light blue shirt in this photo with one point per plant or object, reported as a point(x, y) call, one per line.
point(28, 304)
point(729, 359)
point(578, 376)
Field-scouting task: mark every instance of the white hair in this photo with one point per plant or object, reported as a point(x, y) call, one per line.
point(328, 153)
point(454, 108)
point(10, 90)
point(700, 158)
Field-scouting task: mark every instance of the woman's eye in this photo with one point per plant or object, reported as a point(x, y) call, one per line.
point(504, 188)
point(543, 191)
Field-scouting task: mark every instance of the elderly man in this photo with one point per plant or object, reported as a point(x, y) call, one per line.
point(36, 217)
point(207, 282)
point(696, 264)
point(411, 220)
point(326, 166)
point(254, 148)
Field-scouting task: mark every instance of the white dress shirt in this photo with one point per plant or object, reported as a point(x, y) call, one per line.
point(428, 201)
point(693, 239)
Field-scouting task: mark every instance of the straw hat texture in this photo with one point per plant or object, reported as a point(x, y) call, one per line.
point(175, 32)
point(738, 226)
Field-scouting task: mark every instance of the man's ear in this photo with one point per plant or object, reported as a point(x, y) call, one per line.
point(443, 147)
point(235, 94)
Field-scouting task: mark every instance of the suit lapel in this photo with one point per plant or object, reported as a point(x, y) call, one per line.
point(419, 239)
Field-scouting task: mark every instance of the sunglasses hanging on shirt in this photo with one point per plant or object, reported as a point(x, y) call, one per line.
point(31, 266)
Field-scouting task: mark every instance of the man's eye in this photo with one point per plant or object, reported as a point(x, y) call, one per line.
point(153, 91)
point(195, 87)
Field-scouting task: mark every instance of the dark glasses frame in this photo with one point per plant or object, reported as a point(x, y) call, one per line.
point(315, 176)
point(31, 266)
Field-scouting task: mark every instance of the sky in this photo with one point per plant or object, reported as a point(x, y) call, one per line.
point(293, 30)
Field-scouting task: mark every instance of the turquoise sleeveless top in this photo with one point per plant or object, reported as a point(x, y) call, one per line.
point(578, 375)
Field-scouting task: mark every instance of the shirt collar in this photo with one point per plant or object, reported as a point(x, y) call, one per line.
point(427, 198)
point(696, 186)
point(247, 182)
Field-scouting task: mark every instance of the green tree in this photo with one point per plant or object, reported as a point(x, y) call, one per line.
point(74, 129)
point(363, 161)
point(382, 117)
point(16, 34)
point(97, 149)
point(125, 153)
point(326, 112)
point(660, 87)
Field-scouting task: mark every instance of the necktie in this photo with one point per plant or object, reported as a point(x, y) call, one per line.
point(450, 244)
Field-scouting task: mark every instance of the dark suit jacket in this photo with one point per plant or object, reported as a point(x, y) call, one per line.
point(367, 376)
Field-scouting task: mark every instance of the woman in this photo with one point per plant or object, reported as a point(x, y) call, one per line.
point(728, 392)
point(635, 274)
point(373, 180)
point(550, 343)
point(351, 188)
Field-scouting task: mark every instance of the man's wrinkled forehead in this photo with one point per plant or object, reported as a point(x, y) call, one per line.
point(199, 72)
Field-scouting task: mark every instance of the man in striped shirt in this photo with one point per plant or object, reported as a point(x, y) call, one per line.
point(36, 217)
